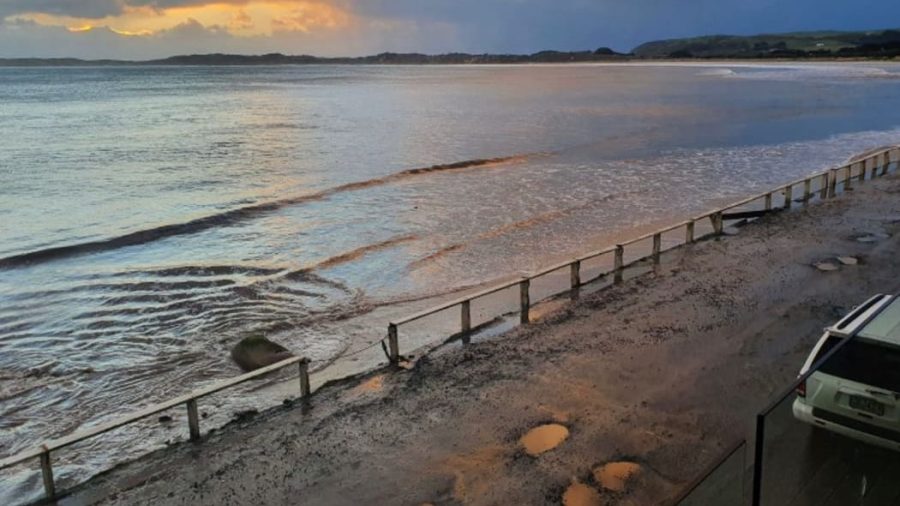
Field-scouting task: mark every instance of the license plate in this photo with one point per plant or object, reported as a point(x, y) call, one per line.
point(867, 405)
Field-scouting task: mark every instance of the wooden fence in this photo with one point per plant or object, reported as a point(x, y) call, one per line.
point(188, 400)
point(828, 184)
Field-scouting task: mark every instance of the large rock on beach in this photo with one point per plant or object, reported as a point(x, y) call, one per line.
point(254, 352)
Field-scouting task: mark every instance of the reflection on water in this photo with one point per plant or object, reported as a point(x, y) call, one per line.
point(151, 217)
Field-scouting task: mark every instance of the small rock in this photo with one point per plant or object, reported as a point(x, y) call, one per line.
point(873, 237)
point(826, 266)
point(165, 419)
point(848, 260)
point(241, 416)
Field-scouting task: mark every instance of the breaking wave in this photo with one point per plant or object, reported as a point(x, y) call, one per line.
point(233, 216)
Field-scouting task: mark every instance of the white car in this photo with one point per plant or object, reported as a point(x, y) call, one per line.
point(857, 391)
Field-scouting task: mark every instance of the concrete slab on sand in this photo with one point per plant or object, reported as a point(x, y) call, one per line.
point(663, 371)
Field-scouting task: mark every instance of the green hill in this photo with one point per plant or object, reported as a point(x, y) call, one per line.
point(878, 43)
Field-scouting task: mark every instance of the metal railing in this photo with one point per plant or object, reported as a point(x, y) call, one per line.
point(760, 471)
point(877, 163)
point(722, 482)
point(760, 429)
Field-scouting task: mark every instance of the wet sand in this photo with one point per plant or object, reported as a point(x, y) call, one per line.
point(663, 372)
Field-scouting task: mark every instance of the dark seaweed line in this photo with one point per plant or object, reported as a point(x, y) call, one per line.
point(225, 218)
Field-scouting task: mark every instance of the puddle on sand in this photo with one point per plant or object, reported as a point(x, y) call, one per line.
point(544, 438)
point(579, 494)
point(373, 384)
point(615, 475)
point(546, 308)
point(474, 472)
point(826, 266)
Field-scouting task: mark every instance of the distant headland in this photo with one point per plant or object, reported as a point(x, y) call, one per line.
point(875, 44)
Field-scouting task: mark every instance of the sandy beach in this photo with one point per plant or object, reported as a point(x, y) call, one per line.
point(664, 371)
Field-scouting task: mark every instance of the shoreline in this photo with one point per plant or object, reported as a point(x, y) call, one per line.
point(528, 365)
point(52, 63)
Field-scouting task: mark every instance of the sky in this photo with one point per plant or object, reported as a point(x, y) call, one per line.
point(144, 29)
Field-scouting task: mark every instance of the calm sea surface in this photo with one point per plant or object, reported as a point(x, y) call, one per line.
point(150, 217)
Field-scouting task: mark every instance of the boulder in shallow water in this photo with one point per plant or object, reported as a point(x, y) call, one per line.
point(254, 352)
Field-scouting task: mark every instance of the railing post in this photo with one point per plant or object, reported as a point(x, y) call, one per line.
point(768, 201)
point(47, 474)
point(689, 232)
point(716, 219)
point(393, 344)
point(887, 163)
point(575, 274)
point(465, 321)
point(524, 300)
point(618, 264)
point(847, 183)
point(465, 317)
point(657, 247)
point(303, 366)
point(759, 445)
point(832, 182)
point(788, 196)
point(807, 190)
point(875, 164)
point(193, 419)
point(823, 191)
point(862, 169)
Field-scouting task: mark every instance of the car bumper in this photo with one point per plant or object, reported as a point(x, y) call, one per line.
point(807, 414)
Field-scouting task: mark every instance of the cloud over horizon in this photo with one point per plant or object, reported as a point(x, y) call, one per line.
point(142, 29)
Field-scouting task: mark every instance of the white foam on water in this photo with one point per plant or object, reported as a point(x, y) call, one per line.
point(724, 72)
point(799, 72)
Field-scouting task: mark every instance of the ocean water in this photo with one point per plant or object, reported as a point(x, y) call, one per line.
point(152, 216)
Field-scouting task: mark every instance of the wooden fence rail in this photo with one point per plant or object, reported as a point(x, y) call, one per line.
point(188, 400)
point(829, 180)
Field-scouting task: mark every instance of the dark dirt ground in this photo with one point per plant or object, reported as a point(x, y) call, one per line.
point(666, 370)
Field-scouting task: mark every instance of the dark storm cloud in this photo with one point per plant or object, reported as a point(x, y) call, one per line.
point(81, 8)
point(516, 26)
point(92, 8)
point(522, 25)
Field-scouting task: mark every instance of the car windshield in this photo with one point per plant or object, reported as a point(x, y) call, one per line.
point(864, 362)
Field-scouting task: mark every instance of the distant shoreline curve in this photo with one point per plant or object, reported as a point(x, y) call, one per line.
point(255, 61)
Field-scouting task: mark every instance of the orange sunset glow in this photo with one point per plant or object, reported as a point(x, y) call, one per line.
point(253, 18)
